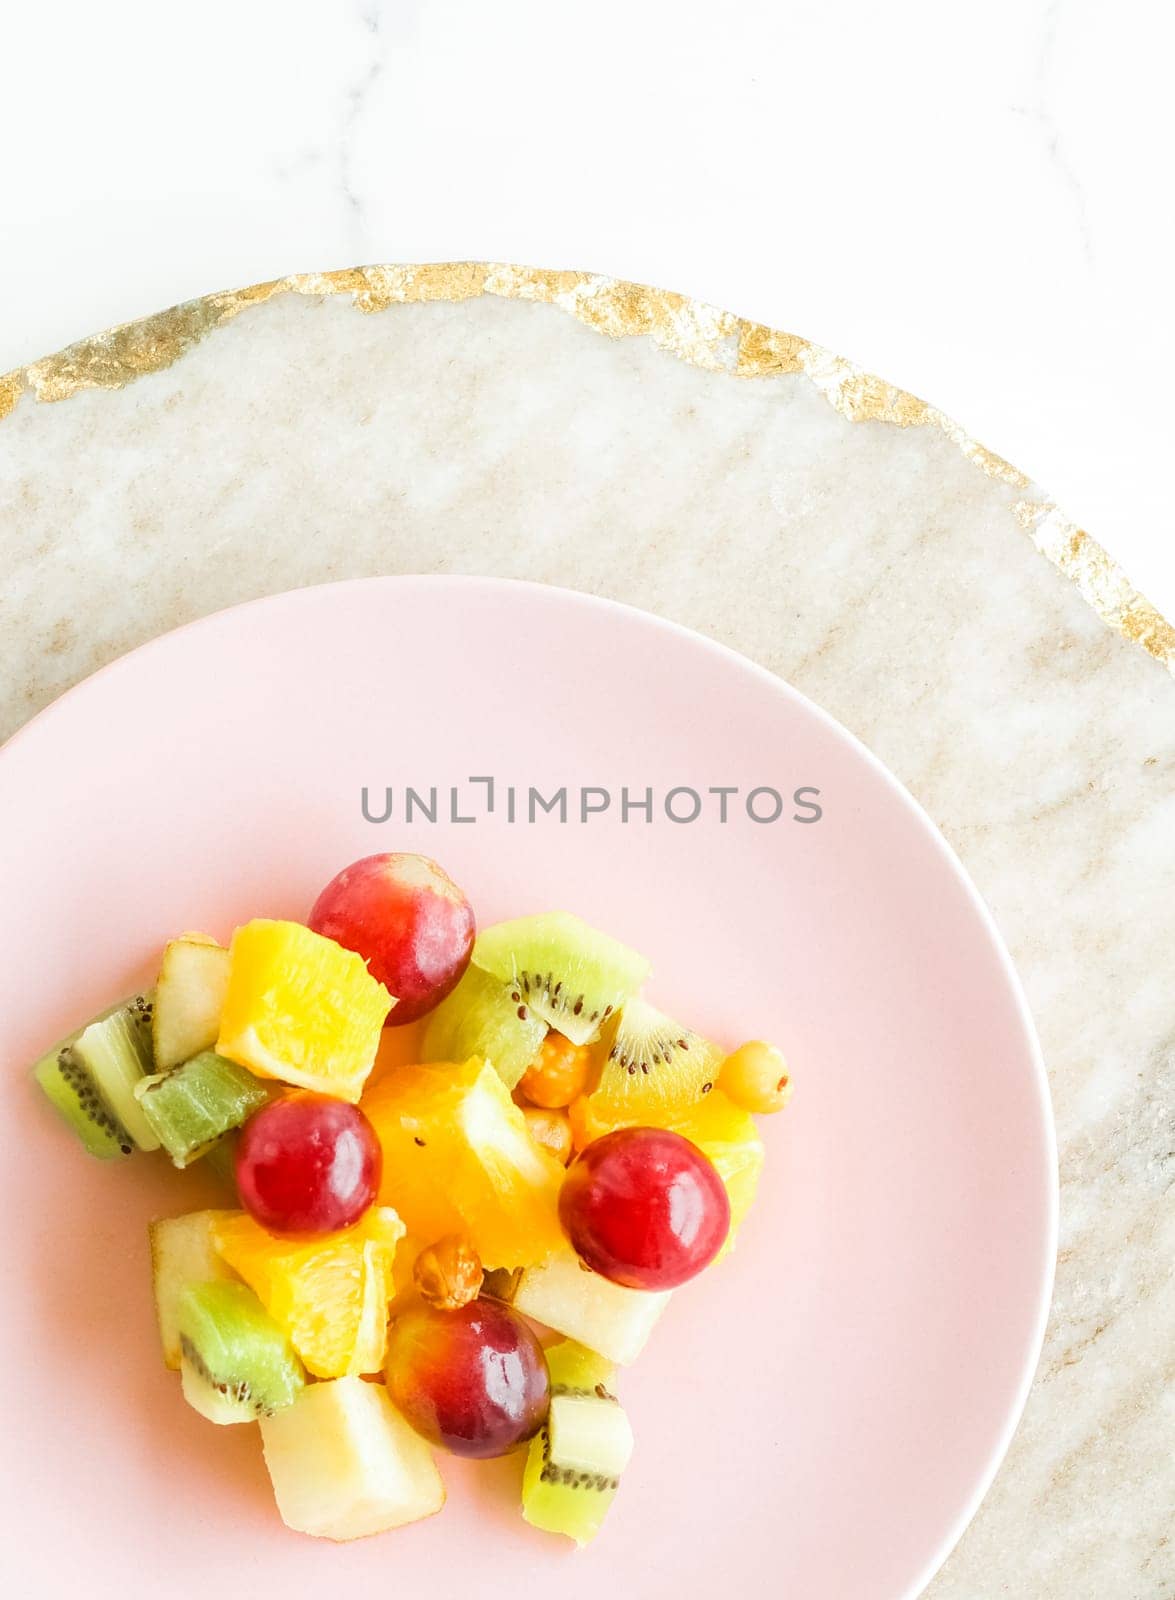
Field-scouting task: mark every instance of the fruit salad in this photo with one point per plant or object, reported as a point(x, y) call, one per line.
point(446, 1246)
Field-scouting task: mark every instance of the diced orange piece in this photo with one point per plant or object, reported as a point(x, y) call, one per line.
point(302, 1009)
point(458, 1158)
point(330, 1295)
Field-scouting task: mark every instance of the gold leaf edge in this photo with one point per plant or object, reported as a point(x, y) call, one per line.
point(704, 336)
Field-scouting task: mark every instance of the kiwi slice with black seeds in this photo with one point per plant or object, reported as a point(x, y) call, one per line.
point(575, 1462)
point(649, 1060)
point(90, 1078)
point(236, 1364)
point(568, 973)
point(488, 1018)
point(69, 1087)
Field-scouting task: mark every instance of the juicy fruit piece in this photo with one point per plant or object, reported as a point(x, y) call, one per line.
point(182, 1255)
point(330, 1295)
point(755, 1076)
point(576, 1461)
point(650, 1060)
point(724, 1133)
point(551, 1130)
point(571, 975)
point(191, 1107)
point(70, 1090)
point(557, 1074)
point(473, 1380)
point(567, 1296)
point(407, 919)
point(308, 1164)
point(116, 1052)
point(644, 1208)
point(448, 1274)
point(487, 1018)
point(236, 1364)
point(344, 1464)
point(189, 995)
point(300, 1008)
point(90, 1078)
point(458, 1159)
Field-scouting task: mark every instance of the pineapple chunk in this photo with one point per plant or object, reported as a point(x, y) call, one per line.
point(188, 999)
point(613, 1321)
point(182, 1254)
point(345, 1464)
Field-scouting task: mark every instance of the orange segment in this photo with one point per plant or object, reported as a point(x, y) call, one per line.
point(458, 1158)
point(302, 1009)
point(330, 1295)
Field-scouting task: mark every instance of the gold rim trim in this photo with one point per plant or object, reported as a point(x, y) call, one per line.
point(715, 340)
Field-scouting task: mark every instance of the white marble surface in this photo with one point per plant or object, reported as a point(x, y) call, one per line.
point(970, 200)
point(874, 566)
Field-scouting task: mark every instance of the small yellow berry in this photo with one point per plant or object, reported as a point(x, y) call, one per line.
point(557, 1074)
point(551, 1129)
point(756, 1077)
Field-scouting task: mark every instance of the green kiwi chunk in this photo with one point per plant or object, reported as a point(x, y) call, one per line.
point(190, 1108)
point(236, 1364)
point(90, 1078)
point(69, 1087)
point(569, 974)
point(651, 1061)
point(575, 1462)
point(488, 1018)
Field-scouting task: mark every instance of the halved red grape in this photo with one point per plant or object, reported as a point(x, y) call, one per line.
point(308, 1164)
point(473, 1380)
point(645, 1208)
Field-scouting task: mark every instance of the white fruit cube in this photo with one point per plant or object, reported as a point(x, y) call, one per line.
point(607, 1318)
point(589, 1435)
point(345, 1464)
point(189, 997)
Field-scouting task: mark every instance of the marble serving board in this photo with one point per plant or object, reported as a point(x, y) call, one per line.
point(631, 443)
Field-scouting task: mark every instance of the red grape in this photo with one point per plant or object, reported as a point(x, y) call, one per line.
point(408, 920)
point(308, 1164)
point(473, 1380)
point(645, 1208)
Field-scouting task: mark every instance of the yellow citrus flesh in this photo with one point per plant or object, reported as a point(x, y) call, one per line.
point(458, 1158)
point(301, 1009)
point(722, 1131)
point(330, 1295)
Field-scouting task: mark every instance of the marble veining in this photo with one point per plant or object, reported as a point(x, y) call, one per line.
point(870, 564)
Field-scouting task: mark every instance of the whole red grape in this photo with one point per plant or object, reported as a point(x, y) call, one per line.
point(645, 1208)
point(408, 920)
point(473, 1380)
point(308, 1164)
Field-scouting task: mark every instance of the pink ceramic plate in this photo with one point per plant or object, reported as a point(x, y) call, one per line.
point(819, 1415)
